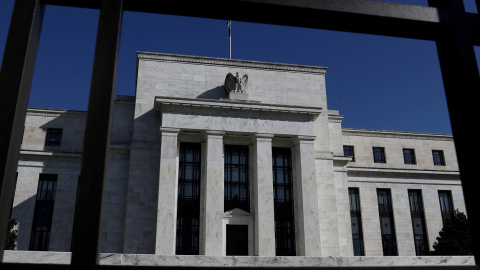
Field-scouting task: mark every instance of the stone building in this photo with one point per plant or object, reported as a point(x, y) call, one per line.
point(221, 157)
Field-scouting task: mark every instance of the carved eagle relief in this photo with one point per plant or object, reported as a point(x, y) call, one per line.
point(235, 83)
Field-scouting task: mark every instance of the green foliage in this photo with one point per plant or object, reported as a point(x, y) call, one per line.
point(10, 241)
point(454, 237)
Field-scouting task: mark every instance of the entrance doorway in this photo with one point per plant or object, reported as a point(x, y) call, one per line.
point(237, 240)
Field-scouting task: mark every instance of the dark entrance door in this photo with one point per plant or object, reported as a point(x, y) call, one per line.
point(237, 240)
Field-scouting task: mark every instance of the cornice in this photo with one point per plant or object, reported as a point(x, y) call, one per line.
point(235, 105)
point(55, 113)
point(229, 62)
point(396, 134)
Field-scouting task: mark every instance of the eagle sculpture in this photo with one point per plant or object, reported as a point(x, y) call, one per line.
point(235, 83)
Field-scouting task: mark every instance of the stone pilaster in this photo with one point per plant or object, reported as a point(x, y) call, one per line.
point(263, 196)
point(306, 200)
point(211, 220)
point(167, 192)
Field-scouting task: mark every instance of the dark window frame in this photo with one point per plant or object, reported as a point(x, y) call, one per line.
point(409, 156)
point(349, 151)
point(385, 211)
point(44, 206)
point(379, 155)
point(419, 226)
point(438, 157)
point(284, 213)
point(54, 137)
point(446, 204)
point(356, 220)
point(236, 177)
point(187, 240)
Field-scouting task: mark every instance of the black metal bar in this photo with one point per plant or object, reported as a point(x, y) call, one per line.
point(361, 16)
point(86, 240)
point(462, 88)
point(15, 81)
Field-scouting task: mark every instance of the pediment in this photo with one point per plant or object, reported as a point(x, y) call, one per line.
point(236, 212)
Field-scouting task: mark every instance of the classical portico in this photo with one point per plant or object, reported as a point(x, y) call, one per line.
point(262, 127)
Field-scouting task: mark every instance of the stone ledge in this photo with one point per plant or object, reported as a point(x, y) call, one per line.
point(43, 257)
point(161, 101)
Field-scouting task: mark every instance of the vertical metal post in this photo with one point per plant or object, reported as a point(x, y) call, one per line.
point(15, 82)
point(462, 88)
point(86, 240)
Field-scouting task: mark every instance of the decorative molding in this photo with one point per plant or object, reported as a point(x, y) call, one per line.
point(161, 101)
point(55, 113)
point(229, 62)
point(396, 134)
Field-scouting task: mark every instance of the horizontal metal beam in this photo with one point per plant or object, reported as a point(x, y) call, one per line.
point(358, 16)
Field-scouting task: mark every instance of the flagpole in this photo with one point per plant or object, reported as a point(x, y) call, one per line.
point(229, 23)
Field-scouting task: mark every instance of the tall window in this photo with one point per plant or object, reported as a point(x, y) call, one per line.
point(446, 205)
point(387, 226)
point(283, 202)
point(418, 222)
point(348, 151)
point(42, 217)
point(54, 137)
point(188, 207)
point(236, 178)
point(355, 215)
point(379, 155)
point(409, 156)
point(438, 158)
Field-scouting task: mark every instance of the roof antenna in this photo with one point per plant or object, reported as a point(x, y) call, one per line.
point(229, 24)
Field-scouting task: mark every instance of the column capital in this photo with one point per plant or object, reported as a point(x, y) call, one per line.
point(217, 133)
point(304, 138)
point(169, 131)
point(262, 136)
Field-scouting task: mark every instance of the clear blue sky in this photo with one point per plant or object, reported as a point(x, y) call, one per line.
point(375, 82)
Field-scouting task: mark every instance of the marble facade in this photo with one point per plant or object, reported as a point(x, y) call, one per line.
point(182, 99)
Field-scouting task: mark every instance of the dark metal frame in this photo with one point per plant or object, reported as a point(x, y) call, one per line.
point(445, 22)
point(54, 132)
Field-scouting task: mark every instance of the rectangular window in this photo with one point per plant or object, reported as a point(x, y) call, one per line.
point(379, 155)
point(409, 156)
point(188, 207)
point(283, 202)
point(446, 205)
point(349, 152)
point(43, 213)
point(438, 158)
point(54, 137)
point(418, 222)
point(236, 178)
point(356, 217)
point(387, 225)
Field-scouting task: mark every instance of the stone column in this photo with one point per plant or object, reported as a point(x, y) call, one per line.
point(167, 192)
point(212, 195)
point(263, 196)
point(306, 199)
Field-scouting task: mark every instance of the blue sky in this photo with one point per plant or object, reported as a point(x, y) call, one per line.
point(375, 82)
